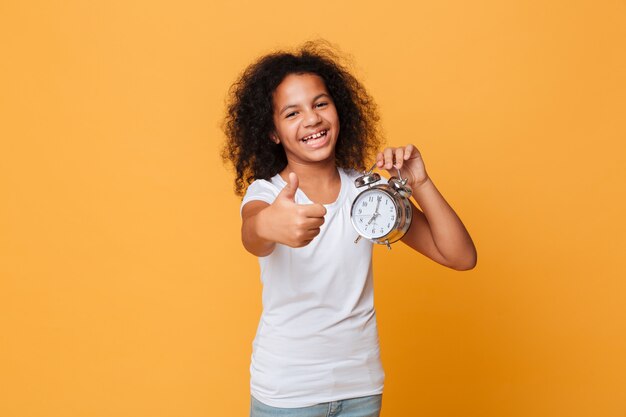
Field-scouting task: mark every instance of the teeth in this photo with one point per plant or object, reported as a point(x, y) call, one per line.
point(315, 136)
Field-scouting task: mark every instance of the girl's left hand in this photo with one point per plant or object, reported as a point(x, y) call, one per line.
point(407, 159)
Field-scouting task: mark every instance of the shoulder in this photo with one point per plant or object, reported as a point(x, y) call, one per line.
point(262, 190)
point(347, 182)
point(350, 174)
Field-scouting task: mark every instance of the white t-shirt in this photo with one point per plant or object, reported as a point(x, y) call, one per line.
point(317, 339)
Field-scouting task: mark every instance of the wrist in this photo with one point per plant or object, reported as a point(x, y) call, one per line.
point(417, 186)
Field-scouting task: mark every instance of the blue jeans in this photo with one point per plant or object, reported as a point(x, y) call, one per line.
point(354, 407)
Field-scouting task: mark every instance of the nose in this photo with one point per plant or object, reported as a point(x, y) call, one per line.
point(311, 118)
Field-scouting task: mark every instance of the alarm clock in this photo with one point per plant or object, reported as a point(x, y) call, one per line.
point(381, 213)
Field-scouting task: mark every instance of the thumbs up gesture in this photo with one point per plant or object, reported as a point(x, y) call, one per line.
point(290, 223)
point(289, 191)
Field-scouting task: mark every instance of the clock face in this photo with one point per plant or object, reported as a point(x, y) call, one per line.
point(374, 214)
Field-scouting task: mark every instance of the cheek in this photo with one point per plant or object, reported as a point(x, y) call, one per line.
point(286, 130)
point(334, 117)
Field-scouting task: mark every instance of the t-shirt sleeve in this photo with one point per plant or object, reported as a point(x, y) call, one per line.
point(260, 190)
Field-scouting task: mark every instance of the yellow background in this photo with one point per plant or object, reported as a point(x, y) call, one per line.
point(125, 291)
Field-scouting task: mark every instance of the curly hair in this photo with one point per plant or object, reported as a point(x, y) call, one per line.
point(249, 118)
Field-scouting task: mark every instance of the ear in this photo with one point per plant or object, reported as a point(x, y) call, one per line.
point(274, 138)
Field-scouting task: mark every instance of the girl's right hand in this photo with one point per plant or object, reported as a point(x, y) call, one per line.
point(289, 223)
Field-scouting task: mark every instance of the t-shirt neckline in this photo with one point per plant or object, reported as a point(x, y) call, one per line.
point(342, 191)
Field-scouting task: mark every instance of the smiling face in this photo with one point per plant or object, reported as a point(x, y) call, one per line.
point(305, 119)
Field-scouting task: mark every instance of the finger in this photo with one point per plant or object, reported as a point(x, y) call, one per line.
point(312, 233)
point(399, 155)
point(293, 182)
point(305, 243)
point(307, 237)
point(289, 191)
point(314, 210)
point(388, 156)
point(313, 223)
point(379, 159)
point(408, 151)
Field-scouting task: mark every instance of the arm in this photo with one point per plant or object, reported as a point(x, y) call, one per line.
point(250, 229)
point(436, 232)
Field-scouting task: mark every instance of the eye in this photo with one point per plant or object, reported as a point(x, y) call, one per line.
point(322, 104)
point(288, 115)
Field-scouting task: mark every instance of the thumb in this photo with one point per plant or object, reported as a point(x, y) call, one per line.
point(292, 186)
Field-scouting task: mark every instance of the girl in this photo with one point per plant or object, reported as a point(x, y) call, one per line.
point(300, 127)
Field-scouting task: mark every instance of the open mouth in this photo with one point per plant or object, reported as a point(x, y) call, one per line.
point(314, 137)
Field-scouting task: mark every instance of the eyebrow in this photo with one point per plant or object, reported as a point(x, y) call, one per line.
point(295, 105)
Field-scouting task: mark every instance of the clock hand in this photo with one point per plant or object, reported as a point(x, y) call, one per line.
point(368, 223)
point(376, 213)
point(373, 217)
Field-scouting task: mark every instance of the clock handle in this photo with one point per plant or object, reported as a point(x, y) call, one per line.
point(402, 180)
